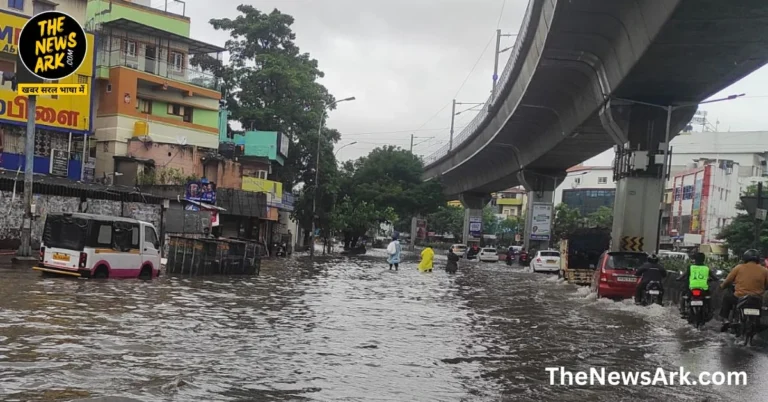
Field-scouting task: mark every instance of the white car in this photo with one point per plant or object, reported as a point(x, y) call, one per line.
point(488, 254)
point(546, 261)
point(459, 249)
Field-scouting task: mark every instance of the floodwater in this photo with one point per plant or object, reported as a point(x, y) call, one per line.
point(346, 329)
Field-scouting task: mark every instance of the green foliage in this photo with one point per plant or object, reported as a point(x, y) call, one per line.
point(447, 219)
point(566, 220)
point(490, 221)
point(513, 225)
point(739, 234)
point(269, 84)
point(603, 218)
point(164, 177)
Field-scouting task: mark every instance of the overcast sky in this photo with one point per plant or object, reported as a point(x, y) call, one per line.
point(404, 60)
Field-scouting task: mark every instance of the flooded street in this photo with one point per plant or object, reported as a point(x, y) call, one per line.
point(347, 329)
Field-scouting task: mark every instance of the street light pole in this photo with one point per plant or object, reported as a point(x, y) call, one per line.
point(453, 117)
point(317, 171)
point(344, 146)
point(666, 161)
point(25, 249)
point(496, 61)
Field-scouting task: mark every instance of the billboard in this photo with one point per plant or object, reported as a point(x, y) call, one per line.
point(54, 110)
point(256, 185)
point(541, 226)
point(475, 226)
point(201, 191)
point(696, 208)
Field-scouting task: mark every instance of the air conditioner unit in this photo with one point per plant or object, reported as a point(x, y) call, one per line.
point(132, 64)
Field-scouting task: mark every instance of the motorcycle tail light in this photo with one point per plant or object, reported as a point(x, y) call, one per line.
point(696, 292)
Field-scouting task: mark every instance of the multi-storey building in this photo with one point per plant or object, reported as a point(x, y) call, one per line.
point(146, 87)
point(64, 123)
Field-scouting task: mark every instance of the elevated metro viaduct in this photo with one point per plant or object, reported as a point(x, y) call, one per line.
point(577, 73)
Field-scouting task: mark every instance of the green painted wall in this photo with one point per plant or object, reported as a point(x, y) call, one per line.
point(208, 118)
point(135, 13)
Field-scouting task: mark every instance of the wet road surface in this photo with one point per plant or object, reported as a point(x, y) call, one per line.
point(347, 329)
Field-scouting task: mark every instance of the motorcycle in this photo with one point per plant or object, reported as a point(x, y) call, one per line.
point(699, 309)
point(282, 250)
point(745, 318)
point(653, 293)
point(524, 259)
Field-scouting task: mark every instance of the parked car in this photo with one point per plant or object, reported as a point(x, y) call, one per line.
point(546, 261)
point(488, 254)
point(614, 276)
point(459, 249)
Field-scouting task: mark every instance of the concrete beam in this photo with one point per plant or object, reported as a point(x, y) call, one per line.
point(473, 210)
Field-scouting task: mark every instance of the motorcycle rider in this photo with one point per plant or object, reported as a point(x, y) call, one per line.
point(698, 276)
point(650, 271)
point(748, 278)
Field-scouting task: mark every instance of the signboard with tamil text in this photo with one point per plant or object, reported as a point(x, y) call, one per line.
point(69, 107)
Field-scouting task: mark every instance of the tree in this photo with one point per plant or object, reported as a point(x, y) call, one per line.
point(739, 234)
point(447, 220)
point(490, 221)
point(270, 85)
point(602, 218)
point(355, 219)
point(566, 220)
point(393, 177)
point(509, 227)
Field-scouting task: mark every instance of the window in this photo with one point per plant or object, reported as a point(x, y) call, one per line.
point(82, 79)
point(130, 48)
point(135, 236)
point(17, 4)
point(187, 114)
point(577, 180)
point(41, 6)
point(602, 180)
point(628, 261)
point(678, 192)
point(549, 253)
point(687, 192)
point(261, 174)
point(150, 236)
point(103, 232)
point(175, 110)
point(177, 61)
point(144, 106)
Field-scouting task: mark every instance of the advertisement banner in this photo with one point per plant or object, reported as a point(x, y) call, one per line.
point(475, 226)
point(201, 191)
point(541, 226)
point(274, 189)
point(421, 229)
point(57, 110)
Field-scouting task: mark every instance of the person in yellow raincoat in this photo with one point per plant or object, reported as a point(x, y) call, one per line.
point(427, 255)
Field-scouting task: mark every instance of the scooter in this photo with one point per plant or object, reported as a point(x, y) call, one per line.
point(524, 259)
point(282, 250)
point(745, 318)
point(653, 293)
point(698, 307)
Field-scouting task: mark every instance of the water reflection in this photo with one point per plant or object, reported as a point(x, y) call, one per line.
point(343, 329)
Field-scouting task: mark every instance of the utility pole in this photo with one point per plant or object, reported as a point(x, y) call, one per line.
point(758, 216)
point(453, 117)
point(25, 250)
point(496, 64)
point(411, 143)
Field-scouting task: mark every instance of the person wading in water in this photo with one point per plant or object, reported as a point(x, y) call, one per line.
point(393, 250)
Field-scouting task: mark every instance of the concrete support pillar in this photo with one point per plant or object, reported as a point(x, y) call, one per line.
point(638, 171)
point(636, 214)
point(539, 238)
point(541, 187)
point(473, 214)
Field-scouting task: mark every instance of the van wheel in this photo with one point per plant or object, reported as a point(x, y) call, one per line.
point(146, 273)
point(101, 272)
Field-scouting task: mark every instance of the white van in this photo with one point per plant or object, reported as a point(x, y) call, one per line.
point(99, 246)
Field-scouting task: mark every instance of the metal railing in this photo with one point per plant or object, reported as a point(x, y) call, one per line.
point(184, 73)
point(472, 127)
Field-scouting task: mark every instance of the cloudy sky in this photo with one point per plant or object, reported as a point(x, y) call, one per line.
point(404, 60)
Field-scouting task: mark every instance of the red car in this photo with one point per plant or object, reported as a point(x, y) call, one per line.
point(614, 276)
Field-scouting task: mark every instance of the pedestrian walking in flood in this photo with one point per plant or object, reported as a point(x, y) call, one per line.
point(453, 262)
point(427, 256)
point(393, 250)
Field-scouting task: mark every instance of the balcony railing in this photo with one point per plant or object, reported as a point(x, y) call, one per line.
point(187, 74)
